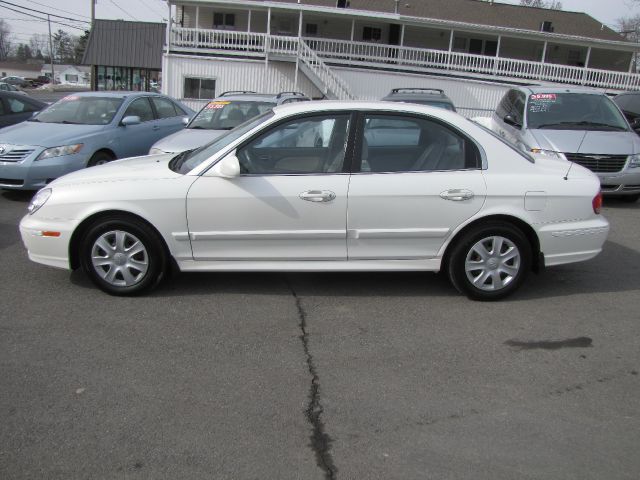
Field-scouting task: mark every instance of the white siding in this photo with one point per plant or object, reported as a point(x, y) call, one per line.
point(231, 74)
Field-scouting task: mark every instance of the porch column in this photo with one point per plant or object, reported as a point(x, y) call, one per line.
point(450, 49)
point(401, 52)
point(295, 82)
point(267, 40)
point(169, 25)
point(249, 22)
point(196, 35)
point(544, 57)
point(586, 66)
point(495, 60)
point(353, 29)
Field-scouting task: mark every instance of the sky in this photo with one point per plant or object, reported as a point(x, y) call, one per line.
point(23, 26)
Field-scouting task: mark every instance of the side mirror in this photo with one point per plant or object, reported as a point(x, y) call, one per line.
point(635, 124)
point(185, 120)
point(228, 167)
point(509, 120)
point(130, 120)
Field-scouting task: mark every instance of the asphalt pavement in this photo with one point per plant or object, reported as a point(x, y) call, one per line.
point(316, 376)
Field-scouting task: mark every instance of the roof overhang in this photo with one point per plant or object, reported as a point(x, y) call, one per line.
point(417, 21)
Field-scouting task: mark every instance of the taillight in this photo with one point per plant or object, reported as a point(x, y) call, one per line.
point(597, 203)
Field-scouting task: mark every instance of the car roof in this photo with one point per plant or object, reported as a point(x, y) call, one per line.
point(320, 106)
point(259, 97)
point(115, 94)
point(542, 89)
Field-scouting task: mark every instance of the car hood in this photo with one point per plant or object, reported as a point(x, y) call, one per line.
point(152, 167)
point(580, 141)
point(187, 139)
point(46, 134)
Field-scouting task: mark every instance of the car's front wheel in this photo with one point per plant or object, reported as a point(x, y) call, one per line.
point(490, 261)
point(123, 256)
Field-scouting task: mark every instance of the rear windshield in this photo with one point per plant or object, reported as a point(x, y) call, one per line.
point(573, 111)
point(81, 110)
point(227, 114)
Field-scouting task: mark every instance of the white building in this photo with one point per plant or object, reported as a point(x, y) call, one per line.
point(69, 74)
point(472, 49)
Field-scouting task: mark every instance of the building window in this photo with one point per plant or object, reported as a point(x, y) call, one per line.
point(311, 29)
point(224, 20)
point(199, 88)
point(71, 78)
point(460, 44)
point(371, 34)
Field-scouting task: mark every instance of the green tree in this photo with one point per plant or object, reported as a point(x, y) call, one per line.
point(5, 40)
point(80, 46)
point(550, 4)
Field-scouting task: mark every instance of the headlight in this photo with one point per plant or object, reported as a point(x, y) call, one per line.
point(548, 153)
point(634, 160)
point(60, 151)
point(38, 200)
point(156, 151)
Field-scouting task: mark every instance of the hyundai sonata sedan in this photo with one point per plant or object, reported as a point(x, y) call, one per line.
point(325, 186)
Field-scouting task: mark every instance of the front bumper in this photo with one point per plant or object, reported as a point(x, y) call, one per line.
point(48, 250)
point(28, 174)
point(626, 182)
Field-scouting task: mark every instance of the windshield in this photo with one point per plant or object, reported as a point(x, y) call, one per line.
point(574, 111)
point(81, 110)
point(226, 114)
point(187, 161)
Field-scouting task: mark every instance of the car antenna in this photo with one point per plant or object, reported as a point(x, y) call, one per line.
point(566, 176)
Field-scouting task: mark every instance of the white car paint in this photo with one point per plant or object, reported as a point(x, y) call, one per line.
point(377, 220)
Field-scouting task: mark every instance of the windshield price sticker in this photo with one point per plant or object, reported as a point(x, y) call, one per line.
point(540, 102)
point(216, 105)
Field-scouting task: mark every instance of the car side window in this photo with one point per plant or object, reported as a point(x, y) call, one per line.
point(140, 107)
point(397, 143)
point(164, 107)
point(17, 106)
point(299, 146)
point(504, 107)
point(519, 101)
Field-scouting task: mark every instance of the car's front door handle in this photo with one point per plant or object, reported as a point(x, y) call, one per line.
point(318, 195)
point(457, 194)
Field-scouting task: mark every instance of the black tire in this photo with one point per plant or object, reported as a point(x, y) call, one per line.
point(100, 158)
point(630, 198)
point(123, 270)
point(502, 273)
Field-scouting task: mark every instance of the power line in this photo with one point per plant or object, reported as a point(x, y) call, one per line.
point(41, 12)
point(59, 9)
point(122, 10)
point(40, 18)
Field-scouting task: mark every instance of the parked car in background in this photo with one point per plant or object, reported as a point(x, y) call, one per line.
point(84, 130)
point(15, 81)
point(300, 188)
point(423, 96)
point(16, 107)
point(7, 87)
point(579, 125)
point(223, 113)
point(629, 103)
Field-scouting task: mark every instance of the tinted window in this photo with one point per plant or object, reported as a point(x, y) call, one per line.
point(18, 106)
point(304, 145)
point(140, 107)
point(504, 107)
point(164, 107)
point(573, 111)
point(394, 143)
point(226, 114)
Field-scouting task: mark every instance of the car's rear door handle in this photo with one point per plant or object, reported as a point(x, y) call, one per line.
point(318, 195)
point(457, 194)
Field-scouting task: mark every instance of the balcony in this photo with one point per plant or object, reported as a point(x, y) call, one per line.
point(340, 52)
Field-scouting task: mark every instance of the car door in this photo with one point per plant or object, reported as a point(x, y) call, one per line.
point(169, 118)
point(419, 179)
point(134, 140)
point(289, 202)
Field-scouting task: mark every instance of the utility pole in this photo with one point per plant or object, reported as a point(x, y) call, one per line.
point(94, 69)
point(53, 74)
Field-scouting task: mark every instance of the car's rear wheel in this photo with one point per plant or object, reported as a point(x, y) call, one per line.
point(123, 256)
point(490, 261)
point(100, 158)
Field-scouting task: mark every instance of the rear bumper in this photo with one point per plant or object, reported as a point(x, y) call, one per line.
point(573, 241)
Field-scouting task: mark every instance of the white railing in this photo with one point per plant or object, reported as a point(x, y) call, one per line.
point(332, 82)
point(391, 56)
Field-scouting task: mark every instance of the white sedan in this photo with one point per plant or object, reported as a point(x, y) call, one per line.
point(325, 186)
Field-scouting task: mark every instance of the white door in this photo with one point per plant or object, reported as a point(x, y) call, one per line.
point(419, 180)
point(288, 204)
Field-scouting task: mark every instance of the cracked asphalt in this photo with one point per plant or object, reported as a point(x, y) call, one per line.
point(321, 376)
